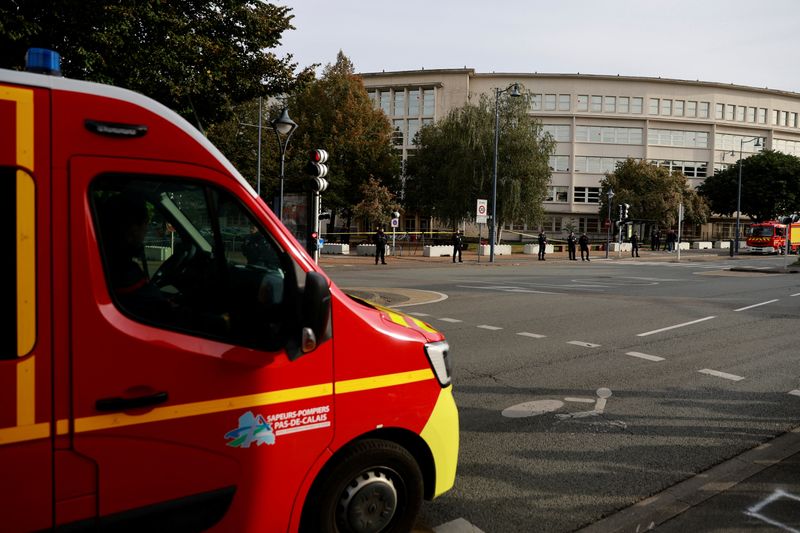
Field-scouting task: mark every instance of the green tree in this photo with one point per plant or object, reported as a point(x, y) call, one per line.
point(377, 203)
point(653, 194)
point(453, 163)
point(770, 186)
point(198, 58)
point(336, 114)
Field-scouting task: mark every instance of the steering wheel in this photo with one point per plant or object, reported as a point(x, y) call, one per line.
point(174, 267)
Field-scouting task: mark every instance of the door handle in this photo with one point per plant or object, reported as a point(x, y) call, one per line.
point(123, 404)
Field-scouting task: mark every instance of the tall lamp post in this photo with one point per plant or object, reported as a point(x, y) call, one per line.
point(610, 195)
point(514, 88)
point(739, 188)
point(284, 127)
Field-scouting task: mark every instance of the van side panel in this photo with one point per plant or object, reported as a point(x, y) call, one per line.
point(26, 446)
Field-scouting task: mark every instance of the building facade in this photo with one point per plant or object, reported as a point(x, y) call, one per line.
point(695, 127)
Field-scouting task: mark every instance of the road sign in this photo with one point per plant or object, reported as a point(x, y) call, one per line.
point(480, 211)
point(395, 222)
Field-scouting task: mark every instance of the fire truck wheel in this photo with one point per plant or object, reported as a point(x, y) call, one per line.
point(375, 486)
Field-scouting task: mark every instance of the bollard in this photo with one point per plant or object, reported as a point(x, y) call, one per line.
point(731, 250)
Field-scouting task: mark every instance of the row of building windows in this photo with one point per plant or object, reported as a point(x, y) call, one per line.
point(786, 146)
point(685, 139)
point(580, 195)
point(740, 113)
point(613, 135)
point(667, 107)
point(601, 165)
point(690, 169)
point(406, 129)
point(734, 143)
point(410, 102)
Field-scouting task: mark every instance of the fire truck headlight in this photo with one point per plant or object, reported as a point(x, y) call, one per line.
point(438, 355)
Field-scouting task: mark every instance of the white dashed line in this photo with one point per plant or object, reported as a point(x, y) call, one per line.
point(756, 305)
point(645, 334)
point(795, 294)
point(722, 375)
point(645, 356)
point(795, 392)
point(584, 344)
point(531, 335)
point(452, 320)
point(419, 314)
point(491, 328)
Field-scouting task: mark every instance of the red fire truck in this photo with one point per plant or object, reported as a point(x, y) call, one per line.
point(770, 237)
point(159, 374)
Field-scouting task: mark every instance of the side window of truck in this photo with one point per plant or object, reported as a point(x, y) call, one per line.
point(187, 256)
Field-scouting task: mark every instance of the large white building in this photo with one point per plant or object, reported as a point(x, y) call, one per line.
point(692, 126)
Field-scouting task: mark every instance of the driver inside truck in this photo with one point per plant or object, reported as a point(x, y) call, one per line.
point(124, 219)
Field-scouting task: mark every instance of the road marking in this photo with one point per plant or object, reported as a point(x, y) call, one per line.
point(584, 344)
point(459, 525)
point(531, 335)
point(440, 296)
point(502, 288)
point(452, 320)
point(645, 356)
point(755, 511)
point(645, 334)
point(722, 375)
point(534, 408)
point(579, 400)
point(419, 314)
point(795, 392)
point(491, 328)
point(795, 294)
point(756, 305)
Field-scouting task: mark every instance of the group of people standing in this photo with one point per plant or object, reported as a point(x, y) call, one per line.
point(572, 241)
point(670, 240)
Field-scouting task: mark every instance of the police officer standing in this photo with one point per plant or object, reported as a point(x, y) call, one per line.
point(542, 245)
point(571, 242)
point(458, 245)
point(379, 239)
point(584, 244)
point(635, 245)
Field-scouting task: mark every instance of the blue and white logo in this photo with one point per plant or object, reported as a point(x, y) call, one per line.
point(251, 429)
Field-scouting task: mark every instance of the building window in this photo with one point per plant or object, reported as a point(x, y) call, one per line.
point(428, 102)
point(610, 104)
point(583, 102)
point(687, 139)
point(784, 118)
point(556, 193)
point(793, 120)
point(731, 143)
point(398, 132)
point(637, 103)
point(399, 103)
point(559, 132)
point(740, 110)
point(596, 165)
point(666, 107)
point(762, 115)
point(691, 108)
point(653, 109)
point(623, 104)
point(690, 169)
point(587, 195)
point(549, 102)
point(702, 110)
point(386, 102)
point(719, 111)
point(609, 135)
point(564, 102)
point(775, 117)
point(730, 109)
point(413, 128)
point(536, 102)
point(751, 114)
point(597, 104)
point(559, 163)
point(678, 108)
point(413, 103)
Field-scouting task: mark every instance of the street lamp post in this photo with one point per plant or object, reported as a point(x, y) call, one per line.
point(739, 189)
point(610, 195)
point(514, 88)
point(283, 126)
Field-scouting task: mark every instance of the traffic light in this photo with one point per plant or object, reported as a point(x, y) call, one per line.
point(316, 166)
point(791, 219)
point(318, 184)
point(324, 216)
point(313, 241)
point(623, 208)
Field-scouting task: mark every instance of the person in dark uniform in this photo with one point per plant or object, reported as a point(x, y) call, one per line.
point(542, 245)
point(458, 245)
point(583, 242)
point(255, 248)
point(571, 242)
point(379, 239)
point(635, 245)
point(123, 224)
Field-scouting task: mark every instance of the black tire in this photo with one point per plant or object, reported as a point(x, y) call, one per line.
point(375, 486)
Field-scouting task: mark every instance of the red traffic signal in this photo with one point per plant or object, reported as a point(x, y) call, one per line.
point(316, 166)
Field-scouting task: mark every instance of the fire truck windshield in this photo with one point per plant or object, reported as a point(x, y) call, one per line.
point(761, 231)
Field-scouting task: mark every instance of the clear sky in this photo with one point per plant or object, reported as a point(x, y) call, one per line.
point(754, 43)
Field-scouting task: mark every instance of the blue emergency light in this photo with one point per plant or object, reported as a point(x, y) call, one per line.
point(43, 61)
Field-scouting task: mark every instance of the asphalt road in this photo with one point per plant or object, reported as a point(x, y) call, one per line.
point(586, 388)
